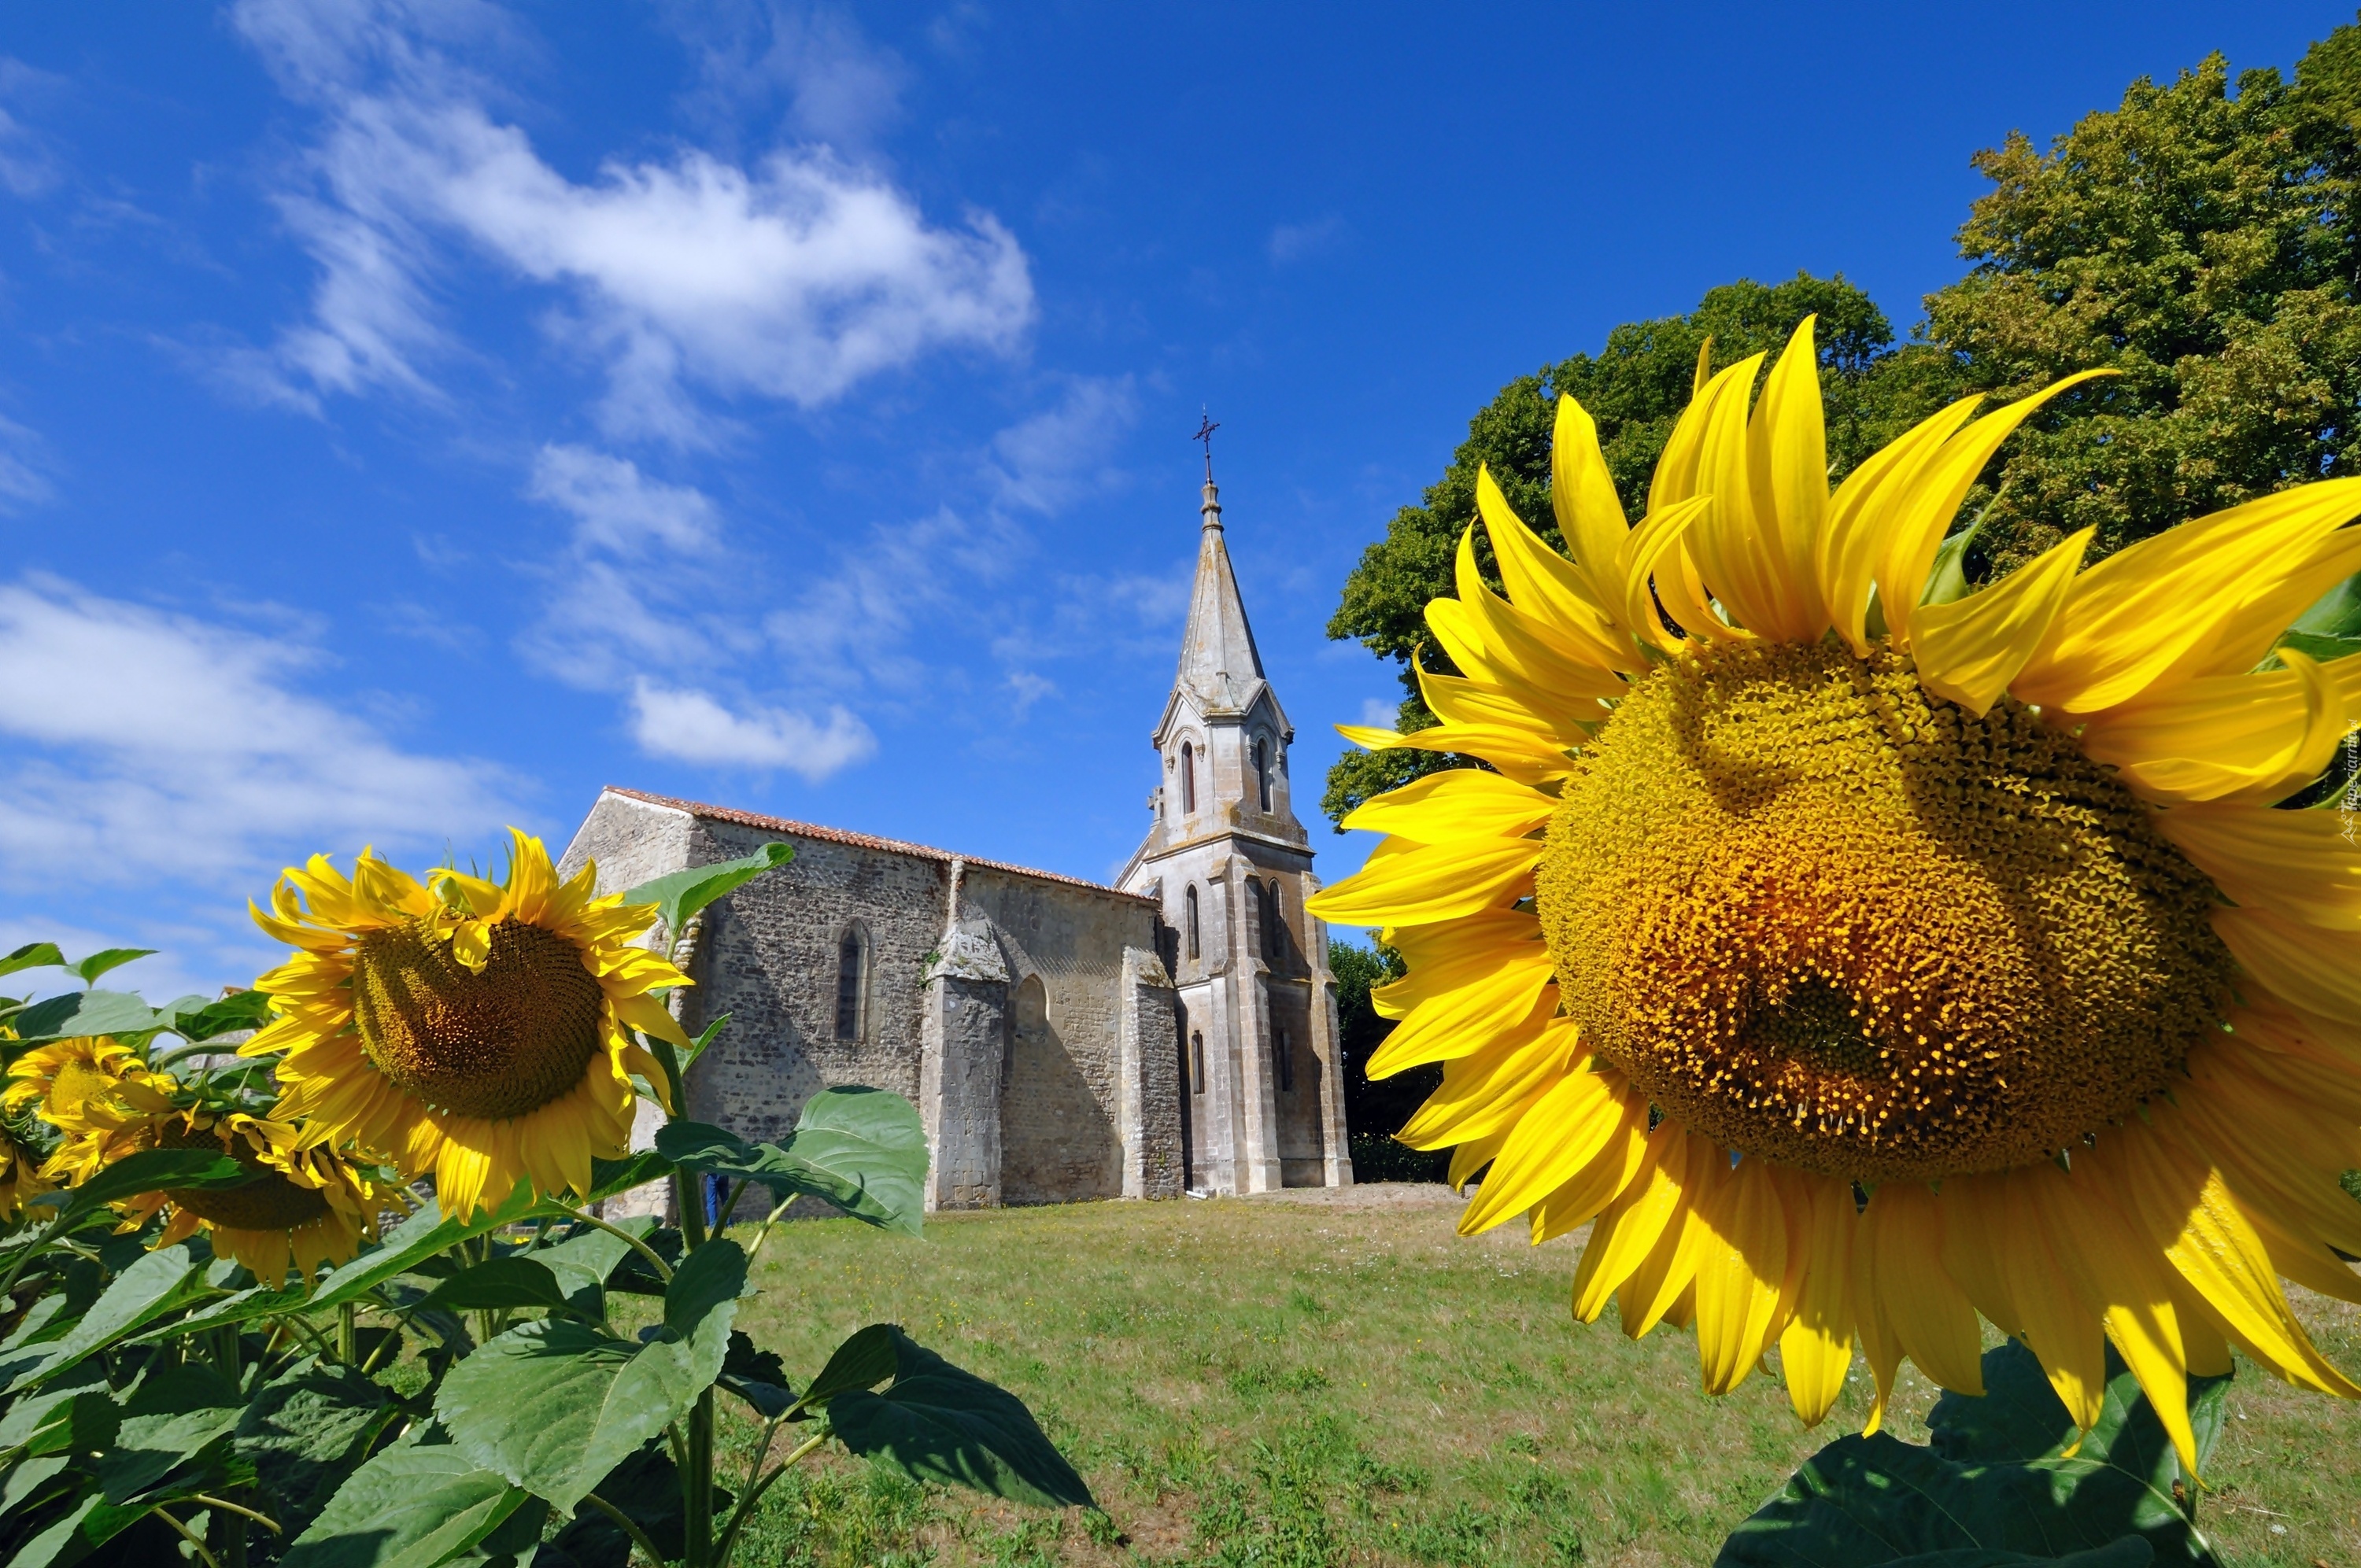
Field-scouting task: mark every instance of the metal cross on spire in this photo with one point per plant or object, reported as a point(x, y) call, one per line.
point(1205, 428)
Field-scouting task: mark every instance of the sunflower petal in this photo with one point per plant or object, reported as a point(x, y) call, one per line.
point(1969, 650)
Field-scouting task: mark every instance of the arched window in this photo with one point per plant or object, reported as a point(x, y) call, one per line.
point(1196, 1064)
point(851, 984)
point(1188, 779)
point(1286, 1062)
point(1262, 771)
point(1189, 902)
point(1273, 923)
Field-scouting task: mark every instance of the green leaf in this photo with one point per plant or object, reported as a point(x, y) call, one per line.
point(2336, 613)
point(583, 1262)
point(82, 1013)
point(423, 1235)
point(33, 955)
point(148, 1288)
point(306, 1431)
point(2131, 1551)
point(91, 1524)
point(98, 963)
point(150, 1170)
point(261, 1301)
point(864, 1150)
point(555, 1405)
point(167, 1422)
point(1948, 581)
point(223, 1016)
point(684, 893)
point(646, 1489)
point(498, 1284)
point(757, 1377)
point(938, 1423)
point(408, 1508)
point(610, 1176)
point(711, 1275)
point(864, 1361)
point(1995, 1481)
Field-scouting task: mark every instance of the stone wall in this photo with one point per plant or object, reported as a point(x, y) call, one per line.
point(1032, 1025)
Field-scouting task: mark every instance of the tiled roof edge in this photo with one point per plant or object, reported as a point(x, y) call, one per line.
point(856, 840)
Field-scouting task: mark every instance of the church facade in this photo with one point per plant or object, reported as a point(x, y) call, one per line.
point(1062, 1040)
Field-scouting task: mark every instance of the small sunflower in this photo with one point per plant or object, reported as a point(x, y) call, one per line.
point(75, 1084)
point(476, 1030)
point(306, 1205)
point(1859, 965)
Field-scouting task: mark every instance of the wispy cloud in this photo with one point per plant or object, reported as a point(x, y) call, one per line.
point(1048, 460)
point(22, 459)
point(694, 728)
point(154, 745)
point(812, 63)
point(29, 165)
point(792, 278)
point(1297, 242)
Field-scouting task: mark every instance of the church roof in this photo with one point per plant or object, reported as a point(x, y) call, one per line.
point(856, 840)
point(1221, 669)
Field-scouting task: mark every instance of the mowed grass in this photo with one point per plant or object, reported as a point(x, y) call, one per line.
point(1265, 1381)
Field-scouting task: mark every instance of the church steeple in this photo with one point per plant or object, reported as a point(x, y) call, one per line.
point(1220, 665)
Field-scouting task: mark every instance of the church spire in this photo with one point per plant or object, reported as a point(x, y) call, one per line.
point(1220, 665)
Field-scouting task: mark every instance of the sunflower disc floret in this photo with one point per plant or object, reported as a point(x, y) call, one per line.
point(1862, 969)
point(1827, 917)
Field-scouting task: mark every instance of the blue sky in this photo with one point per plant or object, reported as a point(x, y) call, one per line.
point(413, 416)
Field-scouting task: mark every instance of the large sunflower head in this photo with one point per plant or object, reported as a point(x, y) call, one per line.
point(475, 1029)
point(1860, 958)
point(306, 1205)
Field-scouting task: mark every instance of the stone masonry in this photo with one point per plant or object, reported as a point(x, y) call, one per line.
point(1033, 1018)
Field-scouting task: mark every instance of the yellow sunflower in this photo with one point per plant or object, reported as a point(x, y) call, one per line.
point(1859, 965)
point(69, 1083)
point(473, 1029)
point(20, 1176)
point(308, 1205)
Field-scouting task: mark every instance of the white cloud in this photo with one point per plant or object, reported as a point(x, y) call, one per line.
point(641, 582)
point(1379, 712)
point(837, 86)
point(792, 278)
point(157, 745)
point(1052, 458)
point(28, 167)
point(1295, 242)
point(694, 728)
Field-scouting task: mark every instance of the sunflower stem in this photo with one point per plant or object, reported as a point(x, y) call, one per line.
point(654, 1259)
point(698, 1484)
point(349, 1334)
point(624, 1522)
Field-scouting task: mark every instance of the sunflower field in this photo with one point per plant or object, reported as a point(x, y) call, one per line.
point(317, 1274)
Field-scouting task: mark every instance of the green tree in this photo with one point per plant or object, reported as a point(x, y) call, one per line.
point(2200, 243)
point(1374, 1108)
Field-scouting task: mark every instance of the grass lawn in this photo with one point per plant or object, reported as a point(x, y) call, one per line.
point(1293, 1383)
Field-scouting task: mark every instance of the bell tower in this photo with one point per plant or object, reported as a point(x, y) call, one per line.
point(1262, 1105)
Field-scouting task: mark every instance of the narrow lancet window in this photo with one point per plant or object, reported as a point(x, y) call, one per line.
point(1188, 779)
point(1286, 1063)
point(851, 984)
point(1196, 1064)
point(1274, 922)
point(1262, 771)
point(1188, 904)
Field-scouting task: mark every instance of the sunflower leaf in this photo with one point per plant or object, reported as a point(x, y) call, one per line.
point(150, 1170)
point(98, 963)
point(82, 1013)
point(33, 955)
point(407, 1507)
point(498, 1284)
point(423, 1235)
point(555, 1405)
point(1995, 1487)
point(864, 1150)
point(154, 1285)
point(683, 893)
point(938, 1423)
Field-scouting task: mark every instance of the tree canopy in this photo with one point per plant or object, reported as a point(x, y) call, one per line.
point(2197, 240)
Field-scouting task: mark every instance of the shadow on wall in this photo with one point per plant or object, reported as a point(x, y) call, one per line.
point(1057, 1144)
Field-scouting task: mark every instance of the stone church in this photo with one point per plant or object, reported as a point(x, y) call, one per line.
point(1062, 1040)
